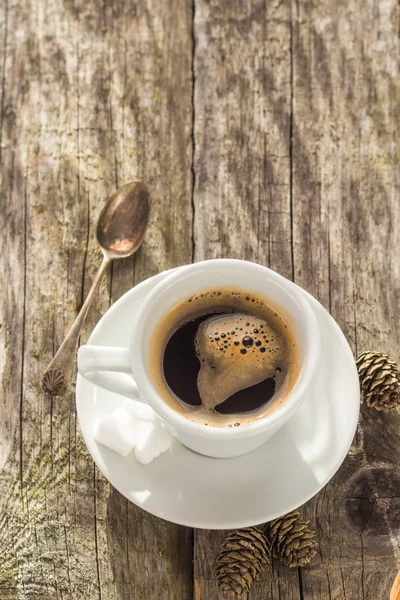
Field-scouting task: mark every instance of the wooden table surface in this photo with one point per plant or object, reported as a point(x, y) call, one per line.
point(266, 130)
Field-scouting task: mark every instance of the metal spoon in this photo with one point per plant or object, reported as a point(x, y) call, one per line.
point(120, 230)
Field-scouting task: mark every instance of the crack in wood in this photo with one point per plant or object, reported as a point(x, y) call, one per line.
point(362, 567)
point(193, 128)
point(24, 259)
point(343, 587)
point(300, 578)
point(3, 76)
point(291, 162)
point(329, 585)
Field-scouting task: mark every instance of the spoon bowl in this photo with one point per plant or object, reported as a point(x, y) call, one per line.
point(122, 222)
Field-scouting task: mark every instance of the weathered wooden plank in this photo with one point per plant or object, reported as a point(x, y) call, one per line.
point(345, 208)
point(242, 194)
point(12, 220)
point(338, 211)
point(91, 96)
point(151, 91)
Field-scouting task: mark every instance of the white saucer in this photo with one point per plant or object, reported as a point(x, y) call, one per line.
point(189, 489)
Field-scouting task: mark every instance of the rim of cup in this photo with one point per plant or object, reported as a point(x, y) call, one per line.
point(181, 284)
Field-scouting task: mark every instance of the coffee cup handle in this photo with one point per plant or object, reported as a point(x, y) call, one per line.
point(103, 366)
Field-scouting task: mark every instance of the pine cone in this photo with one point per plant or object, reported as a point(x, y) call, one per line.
point(379, 381)
point(241, 558)
point(292, 541)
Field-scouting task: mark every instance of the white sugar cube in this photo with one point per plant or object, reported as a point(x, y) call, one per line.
point(139, 410)
point(135, 425)
point(117, 431)
point(152, 440)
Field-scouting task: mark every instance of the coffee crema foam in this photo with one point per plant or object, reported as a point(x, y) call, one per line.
point(239, 342)
point(236, 351)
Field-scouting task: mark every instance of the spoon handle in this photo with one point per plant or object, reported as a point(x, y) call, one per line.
point(54, 378)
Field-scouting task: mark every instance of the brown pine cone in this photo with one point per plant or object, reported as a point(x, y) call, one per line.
point(242, 557)
point(292, 541)
point(379, 381)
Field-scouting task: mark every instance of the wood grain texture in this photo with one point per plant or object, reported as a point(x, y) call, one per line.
point(93, 94)
point(265, 130)
point(296, 165)
point(346, 208)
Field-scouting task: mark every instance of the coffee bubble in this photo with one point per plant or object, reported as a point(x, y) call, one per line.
point(247, 341)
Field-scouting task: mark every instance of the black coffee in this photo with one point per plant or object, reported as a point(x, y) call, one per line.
point(222, 356)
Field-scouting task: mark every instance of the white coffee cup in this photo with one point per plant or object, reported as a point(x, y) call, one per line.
point(96, 362)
